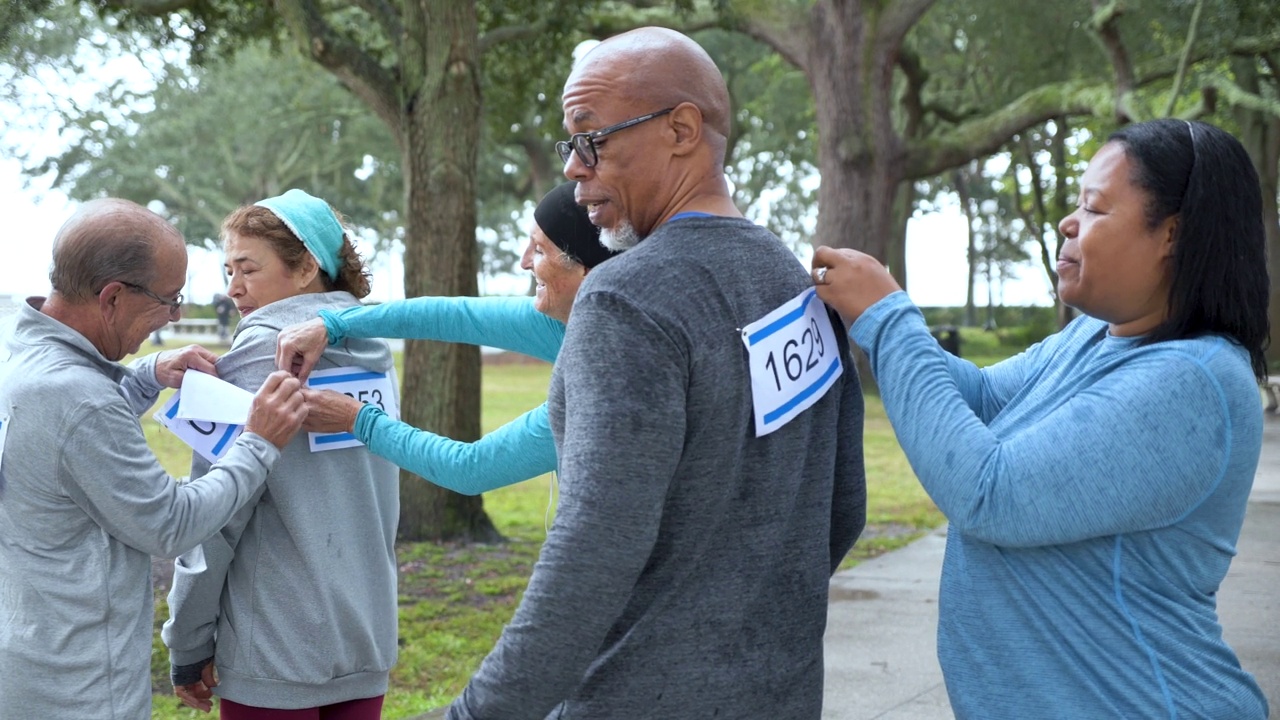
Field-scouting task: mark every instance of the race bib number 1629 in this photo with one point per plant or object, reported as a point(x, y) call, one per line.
point(794, 359)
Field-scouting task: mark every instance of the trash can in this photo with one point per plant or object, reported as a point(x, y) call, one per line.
point(948, 336)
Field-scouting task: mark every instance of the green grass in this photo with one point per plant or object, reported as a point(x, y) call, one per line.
point(455, 599)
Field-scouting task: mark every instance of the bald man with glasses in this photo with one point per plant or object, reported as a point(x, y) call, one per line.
point(84, 504)
point(686, 573)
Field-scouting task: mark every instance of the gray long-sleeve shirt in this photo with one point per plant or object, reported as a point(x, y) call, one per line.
point(83, 506)
point(686, 573)
point(297, 594)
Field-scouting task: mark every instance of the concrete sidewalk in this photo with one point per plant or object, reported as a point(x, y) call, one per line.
point(880, 643)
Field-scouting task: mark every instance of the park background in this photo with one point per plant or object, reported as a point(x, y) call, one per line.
point(942, 136)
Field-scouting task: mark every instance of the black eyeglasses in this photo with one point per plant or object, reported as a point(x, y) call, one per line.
point(585, 143)
point(174, 304)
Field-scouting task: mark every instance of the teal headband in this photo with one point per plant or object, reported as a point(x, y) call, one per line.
point(313, 222)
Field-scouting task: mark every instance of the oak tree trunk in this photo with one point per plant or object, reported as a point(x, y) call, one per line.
point(1260, 135)
point(441, 387)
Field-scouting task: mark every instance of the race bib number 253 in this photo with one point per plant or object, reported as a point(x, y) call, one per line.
point(370, 387)
point(793, 359)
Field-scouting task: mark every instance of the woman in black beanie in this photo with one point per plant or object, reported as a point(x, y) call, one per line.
point(563, 247)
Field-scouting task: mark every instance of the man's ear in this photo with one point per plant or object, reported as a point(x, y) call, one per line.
point(110, 297)
point(686, 122)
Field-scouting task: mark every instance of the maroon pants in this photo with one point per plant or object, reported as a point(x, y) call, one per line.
point(365, 709)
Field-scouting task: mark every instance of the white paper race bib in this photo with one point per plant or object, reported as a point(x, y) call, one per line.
point(367, 386)
point(794, 359)
point(210, 439)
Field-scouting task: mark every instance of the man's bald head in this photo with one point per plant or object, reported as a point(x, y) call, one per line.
point(661, 68)
point(106, 240)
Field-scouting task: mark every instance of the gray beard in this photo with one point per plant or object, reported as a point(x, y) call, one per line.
point(623, 237)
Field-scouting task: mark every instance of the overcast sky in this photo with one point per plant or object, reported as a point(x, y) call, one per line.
point(935, 255)
point(33, 213)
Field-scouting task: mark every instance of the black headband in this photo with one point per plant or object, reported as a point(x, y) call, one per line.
point(565, 223)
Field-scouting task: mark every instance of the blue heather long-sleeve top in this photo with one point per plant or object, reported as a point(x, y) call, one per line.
point(519, 450)
point(1095, 488)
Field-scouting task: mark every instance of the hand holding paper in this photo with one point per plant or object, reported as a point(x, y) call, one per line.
point(172, 365)
point(205, 397)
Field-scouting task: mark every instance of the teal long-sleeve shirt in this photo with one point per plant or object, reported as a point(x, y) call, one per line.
point(519, 450)
point(1096, 488)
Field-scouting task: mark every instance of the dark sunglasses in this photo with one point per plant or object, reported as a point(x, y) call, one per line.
point(585, 143)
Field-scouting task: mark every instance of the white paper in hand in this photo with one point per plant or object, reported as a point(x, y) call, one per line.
point(206, 413)
point(207, 398)
point(210, 440)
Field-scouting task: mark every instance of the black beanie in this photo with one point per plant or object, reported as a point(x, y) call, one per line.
point(565, 223)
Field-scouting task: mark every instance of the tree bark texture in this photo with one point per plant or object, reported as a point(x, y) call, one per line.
point(1260, 135)
point(441, 387)
point(850, 67)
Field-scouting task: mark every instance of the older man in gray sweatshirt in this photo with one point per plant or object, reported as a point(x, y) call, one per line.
point(83, 502)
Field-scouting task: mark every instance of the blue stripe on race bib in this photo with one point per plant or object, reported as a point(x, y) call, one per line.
point(783, 321)
point(803, 395)
point(339, 437)
point(332, 379)
point(227, 436)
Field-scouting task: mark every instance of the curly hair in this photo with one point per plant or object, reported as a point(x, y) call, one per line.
point(259, 222)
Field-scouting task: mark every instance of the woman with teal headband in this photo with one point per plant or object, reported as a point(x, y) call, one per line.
point(563, 247)
point(294, 602)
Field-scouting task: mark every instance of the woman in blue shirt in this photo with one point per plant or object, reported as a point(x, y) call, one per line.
point(1096, 483)
point(563, 247)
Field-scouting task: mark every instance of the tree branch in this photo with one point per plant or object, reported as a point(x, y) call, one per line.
point(1103, 24)
point(356, 70)
point(509, 33)
point(1236, 96)
point(1167, 66)
point(983, 136)
point(1036, 217)
point(951, 115)
point(386, 15)
point(154, 7)
point(786, 33)
point(898, 19)
point(1181, 75)
point(916, 76)
point(626, 17)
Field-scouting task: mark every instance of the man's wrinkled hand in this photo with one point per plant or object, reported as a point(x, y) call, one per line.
point(171, 365)
point(278, 409)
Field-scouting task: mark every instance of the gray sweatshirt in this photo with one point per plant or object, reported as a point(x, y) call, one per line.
point(83, 506)
point(296, 596)
point(686, 573)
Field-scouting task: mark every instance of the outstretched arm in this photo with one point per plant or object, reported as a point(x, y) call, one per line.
point(1158, 421)
point(520, 450)
point(503, 322)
